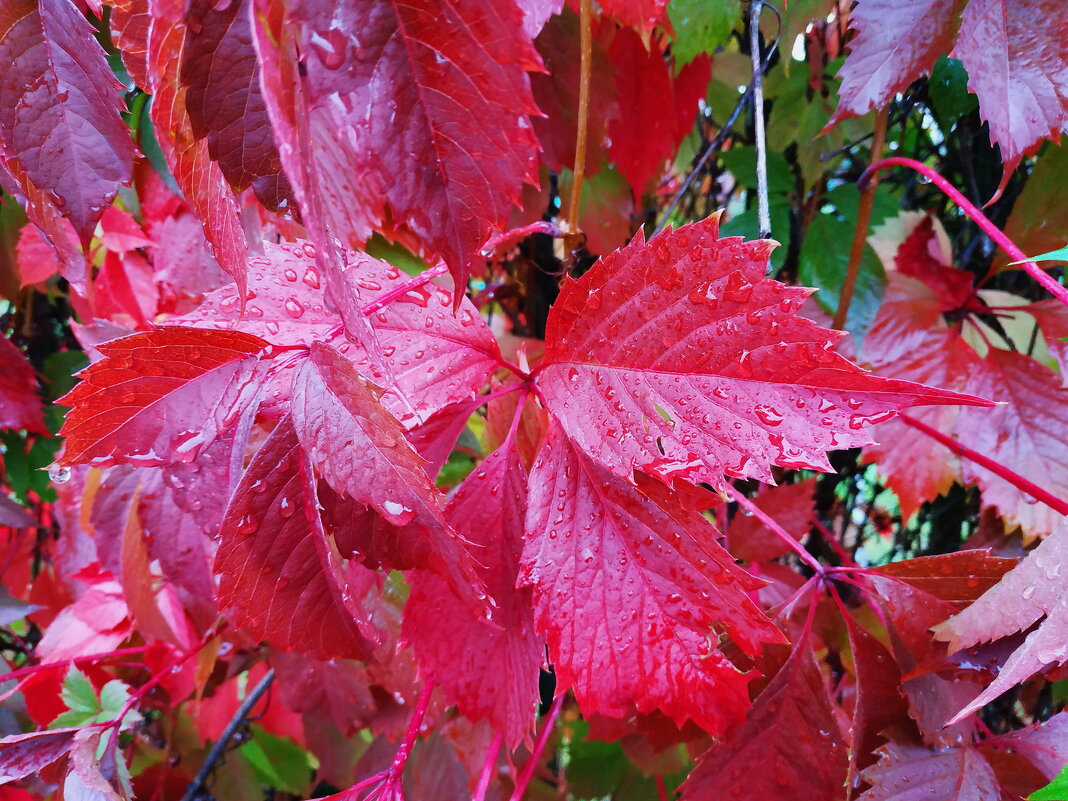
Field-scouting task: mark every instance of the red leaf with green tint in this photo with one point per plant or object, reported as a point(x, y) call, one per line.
point(789, 746)
point(59, 111)
point(678, 357)
point(628, 582)
point(161, 396)
point(272, 565)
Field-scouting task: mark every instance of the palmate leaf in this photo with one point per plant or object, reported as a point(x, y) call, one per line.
point(679, 358)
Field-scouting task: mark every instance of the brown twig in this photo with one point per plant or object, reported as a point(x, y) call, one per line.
point(860, 235)
point(586, 46)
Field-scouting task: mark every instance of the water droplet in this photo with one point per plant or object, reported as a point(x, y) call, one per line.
point(59, 474)
point(293, 308)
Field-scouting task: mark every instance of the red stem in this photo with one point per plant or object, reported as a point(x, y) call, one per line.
point(539, 746)
point(776, 529)
point(488, 767)
point(661, 789)
point(391, 788)
point(833, 542)
point(27, 671)
point(1018, 481)
point(972, 211)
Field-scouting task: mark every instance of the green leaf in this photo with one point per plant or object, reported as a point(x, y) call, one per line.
point(846, 201)
point(59, 370)
point(823, 263)
point(948, 90)
point(396, 254)
point(741, 162)
point(279, 762)
point(1057, 790)
point(1060, 254)
point(594, 768)
point(701, 26)
point(746, 224)
point(78, 693)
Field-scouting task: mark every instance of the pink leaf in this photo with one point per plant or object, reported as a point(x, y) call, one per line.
point(59, 110)
point(906, 772)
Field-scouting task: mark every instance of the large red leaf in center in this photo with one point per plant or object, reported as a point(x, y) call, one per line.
point(680, 358)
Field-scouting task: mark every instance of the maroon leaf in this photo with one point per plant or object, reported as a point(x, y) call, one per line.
point(361, 452)
point(1017, 67)
point(271, 562)
point(737, 381)
point(488, 668)
point(790, 733)
point(14, 515)
point(1045, 745)
point(916, 467)
point(1027, 435)
point(956, 578)
point(1033, 591)
point(911, 771)
point(201, 179)
point(23, 755)
point(895, 44)
point(20, 405)
point(641, 14)
point(628, 582)
point(59, 111)
point(431, 100)
point(225, 101)
point(790, 505)
point(161, 396)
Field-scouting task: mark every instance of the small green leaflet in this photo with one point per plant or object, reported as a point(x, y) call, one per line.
point(1057, 790)
point(85, 708)
point(1060, 254)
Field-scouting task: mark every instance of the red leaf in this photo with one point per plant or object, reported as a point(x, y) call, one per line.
point(878, 703)
point(201, 179)
point(911, 771)
point(22, 755)
point(94, 624)
point(641, 14)
point(745, 382)
point(790, 506)
point(361, 452)
point(161, 396)
point(37, 260)
point(895, 44)
point(271, 561)
point(1016, 64)
point(124, 290)
point(627, 583)
point(130, 23)
point(956, 578)
point(59, 110)
point(1027, 435)
point(488, 668)
point(919, 256)
point(1045, 745)
point(429, 119)
point(120, 233)
point(642, 141)
point(789, 746)
point(910, 309)
point(1032, 592)
point(436, 357)
point(20, 405)
point(225, 101)
point(916, 467)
